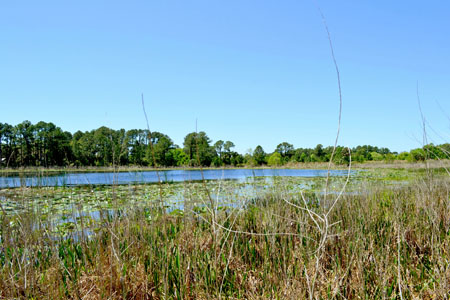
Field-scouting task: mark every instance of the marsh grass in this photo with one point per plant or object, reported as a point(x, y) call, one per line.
point(388, 239)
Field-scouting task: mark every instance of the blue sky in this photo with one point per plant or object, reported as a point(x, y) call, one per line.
point(253, 72)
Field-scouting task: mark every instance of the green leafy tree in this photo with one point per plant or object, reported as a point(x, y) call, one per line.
point(228, 154)
point(7, 139)
point(389, 158)
point(376, 156)
point(9, 144)
point(162, 146)
point(445, 148)
point(403, 156)
point(341, 156)
point(319, 153)
point(302, 155)
point(138, 141)
point(120, 141)
point(197, 147)
point(237, 159)
point(436, 152)
point(82, 147)
point(25, 137)
point(248, 158)
point(259, 155)
point(52, 145)
point(417, 155)
point(286, 151)
point(218, 146)
point(275, 159)
point(178, 157)
point(227, 146)
point(103, 146)
point(2, 138)
point(314, 158)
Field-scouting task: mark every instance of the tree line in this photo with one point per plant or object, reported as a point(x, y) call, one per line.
point(45, 145)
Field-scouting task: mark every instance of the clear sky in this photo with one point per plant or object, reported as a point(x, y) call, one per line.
point(253, 72)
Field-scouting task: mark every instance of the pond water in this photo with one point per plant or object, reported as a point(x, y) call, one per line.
point(59, 202)
point(74, 179)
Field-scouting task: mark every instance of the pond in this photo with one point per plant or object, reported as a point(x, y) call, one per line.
point(60, 209)
point(75, 179)
point(60, 201)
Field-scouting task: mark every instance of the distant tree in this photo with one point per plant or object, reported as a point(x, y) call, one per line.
point(8, 147)
point(376, 156)
point(218, 146)
point(403, 156)
point(342, 155)
point(319, 153)
point(303, 157)
point(275, 159)
point(102, 144)
point(259, 155)
point(162, 144)
point(25, 138)
point(384, 151)
point(286, 151)
point(362, 153)
point(446, 150)
point(105, 154)
point(389, 158)
point(2, 134)
point(228, 145)
point(228, 154)
point(100, 147)
point(236, 159)
point(83, 148)
point(52, 145)
point(120, 142)
point(417, 155)
point(178, 157)
point(6, 138)
point(436, 152)
point(314, 158)
point(197, 147)
point(248, 158)
point(45, 144)
point(137, 145)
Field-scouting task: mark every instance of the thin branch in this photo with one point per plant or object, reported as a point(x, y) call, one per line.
point(338, 76)
point(251, 233)
point(153, 153)
point(307, 209)
point(345, 184)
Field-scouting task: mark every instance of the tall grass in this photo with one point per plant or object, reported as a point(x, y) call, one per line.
point(386, 240)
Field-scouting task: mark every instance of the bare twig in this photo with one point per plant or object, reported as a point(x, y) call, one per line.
point(338, 76)
point(153, 155)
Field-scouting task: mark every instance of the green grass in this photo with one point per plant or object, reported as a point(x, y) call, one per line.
point(381, 231)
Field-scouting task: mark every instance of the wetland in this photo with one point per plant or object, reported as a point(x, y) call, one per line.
point(239, 233)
